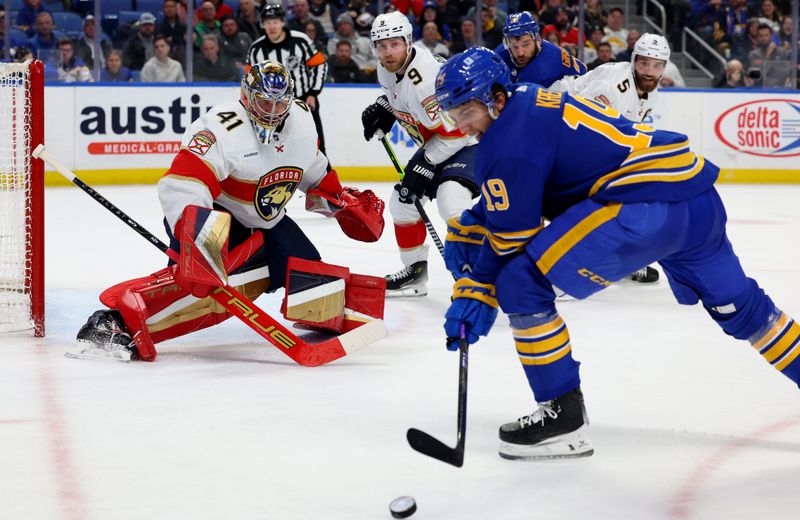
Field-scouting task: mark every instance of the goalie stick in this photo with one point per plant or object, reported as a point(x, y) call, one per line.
point(433, 447)
point(417, 204)
point(305, 354)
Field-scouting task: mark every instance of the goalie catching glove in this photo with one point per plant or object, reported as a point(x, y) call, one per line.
point(359, 213)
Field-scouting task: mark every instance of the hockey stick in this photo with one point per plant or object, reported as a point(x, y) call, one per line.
point(431, 230)
point(429, 445)
point(305, 354)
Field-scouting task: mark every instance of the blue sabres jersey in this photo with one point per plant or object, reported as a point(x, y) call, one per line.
point(550, 65)
point(567, 149)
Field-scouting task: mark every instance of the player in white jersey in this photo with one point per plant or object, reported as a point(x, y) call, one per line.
point(442, 168)
point(631, 88)
point(224, 199)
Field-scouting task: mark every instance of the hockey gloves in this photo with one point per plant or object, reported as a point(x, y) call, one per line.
point(419, 174)
point(465, 237)
point(359, 213)
point(377, 116)
point(474, 306)
point(203, 236)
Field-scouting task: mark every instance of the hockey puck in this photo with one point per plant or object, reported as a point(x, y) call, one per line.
point(402, 507)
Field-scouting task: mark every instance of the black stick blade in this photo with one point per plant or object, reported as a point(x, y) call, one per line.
point(433, 447)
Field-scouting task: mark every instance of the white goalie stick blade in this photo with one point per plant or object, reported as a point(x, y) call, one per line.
point(568, 446)
point(89, 350)
point(364, 335)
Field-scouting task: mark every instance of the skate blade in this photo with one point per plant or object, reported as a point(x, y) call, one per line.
point(407, 292)
point(87, 350)
point(568, 446)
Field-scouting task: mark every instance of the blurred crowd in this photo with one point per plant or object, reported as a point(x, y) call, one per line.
point(146, 40)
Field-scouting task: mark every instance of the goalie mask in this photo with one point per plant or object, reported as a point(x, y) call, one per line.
point(267, 94)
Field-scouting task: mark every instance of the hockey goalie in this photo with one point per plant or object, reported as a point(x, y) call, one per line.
point(224, 199)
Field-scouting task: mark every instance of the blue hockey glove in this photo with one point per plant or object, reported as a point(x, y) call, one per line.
point(418, 174)
point(465, 236)
point(475, 307)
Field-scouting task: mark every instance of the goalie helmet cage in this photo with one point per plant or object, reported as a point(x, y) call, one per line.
point(21, 198)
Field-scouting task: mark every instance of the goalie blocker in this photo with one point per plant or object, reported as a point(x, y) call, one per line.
point(173, 301)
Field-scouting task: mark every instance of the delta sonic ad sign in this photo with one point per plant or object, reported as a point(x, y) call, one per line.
point(757, 136)
point(129, 134)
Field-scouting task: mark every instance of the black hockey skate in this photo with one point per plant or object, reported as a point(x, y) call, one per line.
point(553, 431)
point(409, 281)
point(646, 274)
point(104, 336)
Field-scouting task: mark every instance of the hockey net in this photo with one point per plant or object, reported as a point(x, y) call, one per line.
point(21, 198)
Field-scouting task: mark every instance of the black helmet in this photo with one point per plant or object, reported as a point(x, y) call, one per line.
point(271, 11)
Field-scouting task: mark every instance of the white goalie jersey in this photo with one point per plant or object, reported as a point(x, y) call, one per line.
point(221, 161)
point(413, 99)
point(611, 84)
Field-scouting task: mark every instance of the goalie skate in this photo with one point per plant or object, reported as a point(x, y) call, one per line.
point(103, 337)
point(553, 431)
point(409, 281)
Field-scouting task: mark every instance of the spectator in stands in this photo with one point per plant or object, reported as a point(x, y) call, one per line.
point(208, 22)
point(430, 14)
point(596, 35)
point(432, 40)
point(547, 14)
point(769, 15)
point(139, 47)
point(448, 14)
point(567, 34)
point(175, 30)
point(23, 54)
point(616, 34)
point(44, 38)
point(71, 69)
point(743, 44)
point(594, 14)
point(233, 43)
point(161, 68)
point(410, 8)
point(324, 13)
point(84, 44)
point(498, 16)
point(28, 14)
point(737, 15)
point(633, 36)
point(672, 76)
point(492, 29)
point(732, 77)
point(785, 35)
point(312, 31)
point(299, 20)
point(14, 42)
point(114, 71)
point(341, 67)
point(249, 21)
point(221, 9)
point(604, 55)
point(364, 23)
point(468, 37)
point(770, 59)
point(363, 14)
point(211, 66)
point(361, 47)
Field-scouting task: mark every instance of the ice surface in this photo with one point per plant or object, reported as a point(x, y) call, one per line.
point(686, 422)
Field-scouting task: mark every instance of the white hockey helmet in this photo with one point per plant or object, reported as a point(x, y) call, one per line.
point(391, 25)
point(651, 46)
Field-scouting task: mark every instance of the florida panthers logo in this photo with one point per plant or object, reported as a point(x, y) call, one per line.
point(275, 189)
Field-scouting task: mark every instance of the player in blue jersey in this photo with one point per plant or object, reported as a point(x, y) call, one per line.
point(619, 195)
point(531, 59)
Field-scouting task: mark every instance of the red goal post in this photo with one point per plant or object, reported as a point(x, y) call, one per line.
point(21, 198)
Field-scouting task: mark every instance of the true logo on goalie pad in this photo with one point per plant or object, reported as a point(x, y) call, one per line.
point(201, 142)
point(275, 189)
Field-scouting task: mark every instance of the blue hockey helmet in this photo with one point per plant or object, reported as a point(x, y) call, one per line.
point(520, 24)
point(471, 75)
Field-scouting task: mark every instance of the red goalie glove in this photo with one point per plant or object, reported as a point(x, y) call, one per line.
point(359, 213)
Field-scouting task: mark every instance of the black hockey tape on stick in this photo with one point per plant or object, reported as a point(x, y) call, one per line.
point(433, 447)
point(417, 204)
point(305, 354)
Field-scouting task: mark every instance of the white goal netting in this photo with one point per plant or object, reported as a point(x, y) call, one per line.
point(15, 198)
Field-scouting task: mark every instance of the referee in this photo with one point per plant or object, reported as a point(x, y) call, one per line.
point(295, 51)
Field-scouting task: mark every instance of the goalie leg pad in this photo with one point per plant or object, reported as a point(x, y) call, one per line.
point(327, 297)
point(203, 236)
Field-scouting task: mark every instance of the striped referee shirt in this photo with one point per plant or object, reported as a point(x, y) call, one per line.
point(306, 65)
